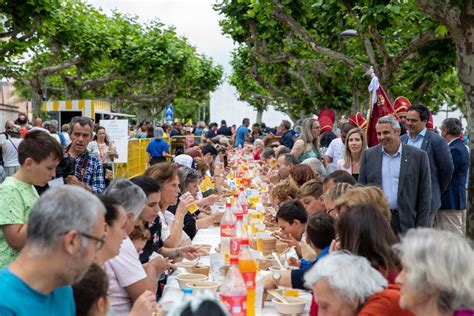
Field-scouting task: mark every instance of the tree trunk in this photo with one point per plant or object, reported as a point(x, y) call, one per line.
point(143, 113)
point(259, 116)
point(465, 48)
point(459, 20)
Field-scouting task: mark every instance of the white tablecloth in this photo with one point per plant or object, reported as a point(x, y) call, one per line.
point(210, 236)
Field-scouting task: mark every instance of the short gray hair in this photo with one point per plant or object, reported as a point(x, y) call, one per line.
point(287, 124)
point(316, 165)
point(389, 119)
point(82, 120)
point(258, 141)
point(453, 126)
point(60, 210)
point(353, 284)
point(187, 176)
point(441, 260)
point(128, 194)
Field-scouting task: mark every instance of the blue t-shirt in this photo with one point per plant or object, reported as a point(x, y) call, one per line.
point(18, 298)
point(242, 131)
point(156, 147)
point(297, 276)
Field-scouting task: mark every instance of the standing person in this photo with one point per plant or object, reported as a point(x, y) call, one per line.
point(307, 145)
point(177, 129)
point(22, 120)
point(452, 213)
point(242, 133)
point(105, 150)
point(356, 143)
point(284, 131)
point(53, 128)
point(9, 149)
point(158, 149)
point(224, 130)
point(212, 131)
point(142, 130)
point(39, 154)
point(88, 172)
point(441, 162)
point(403, 173)
point(65, 232)
point(65, 132)
point(335, 150)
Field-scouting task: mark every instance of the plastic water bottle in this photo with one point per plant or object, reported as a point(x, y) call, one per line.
point(188, 294)
point(240, 234)
point(236, 208)
point(234, 291)
point(227, 229)
point(243, 202)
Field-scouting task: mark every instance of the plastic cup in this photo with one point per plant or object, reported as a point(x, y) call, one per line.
point(193, 208)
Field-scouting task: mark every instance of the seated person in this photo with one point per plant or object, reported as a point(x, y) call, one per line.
point(345, 284)
point(438, 274)
point(139, 237)
point(330, 197)
point(319, 233)
point(310, 195)
point(338, 176)
point(171, 215)
point(282, 192)
point(292, 218)
point(91, 296)
point(364, 195)
point(189, 182)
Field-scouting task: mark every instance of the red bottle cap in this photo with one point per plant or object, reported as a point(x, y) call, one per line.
point(244, 242)
point(241, 188)
point(228, 205)
point(239, 216)
point(234, 260)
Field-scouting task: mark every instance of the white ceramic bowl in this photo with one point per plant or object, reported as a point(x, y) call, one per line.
point(293, 307)
point(199, 286)
point(186, 278)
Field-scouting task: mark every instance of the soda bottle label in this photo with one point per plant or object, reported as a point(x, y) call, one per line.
point(236, 305)
point(234, 247)
point(249, 278)
point(227, 229)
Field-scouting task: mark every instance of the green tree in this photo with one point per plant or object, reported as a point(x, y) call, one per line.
point(304, 39)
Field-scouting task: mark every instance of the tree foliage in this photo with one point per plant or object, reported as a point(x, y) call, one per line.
point(297, 56)
point(85, 54)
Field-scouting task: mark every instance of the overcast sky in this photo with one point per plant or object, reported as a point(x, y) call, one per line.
point(199, 23)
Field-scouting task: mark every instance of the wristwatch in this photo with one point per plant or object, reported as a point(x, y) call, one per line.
point(276, 276)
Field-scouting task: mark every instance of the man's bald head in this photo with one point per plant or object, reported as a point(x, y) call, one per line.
point(37, 122)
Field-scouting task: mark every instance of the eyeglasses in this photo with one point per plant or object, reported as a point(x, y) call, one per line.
point(99, 242)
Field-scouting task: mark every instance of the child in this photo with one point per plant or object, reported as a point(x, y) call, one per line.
point(310, 195)
point(139, 236)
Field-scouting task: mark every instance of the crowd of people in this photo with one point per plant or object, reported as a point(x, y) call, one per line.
point(376, 231)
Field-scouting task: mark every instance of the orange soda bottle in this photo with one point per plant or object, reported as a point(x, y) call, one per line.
point(248, 268)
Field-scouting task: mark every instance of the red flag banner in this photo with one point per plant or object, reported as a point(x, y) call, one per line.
point(380, 105)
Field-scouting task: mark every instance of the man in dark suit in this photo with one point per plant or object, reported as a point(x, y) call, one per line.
point(403, 173)
point(452, 213)
point(441, 163)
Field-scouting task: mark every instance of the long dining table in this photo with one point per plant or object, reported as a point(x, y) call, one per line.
point(211, 236)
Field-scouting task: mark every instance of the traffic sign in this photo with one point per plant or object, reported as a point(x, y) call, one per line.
point(169, 113)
